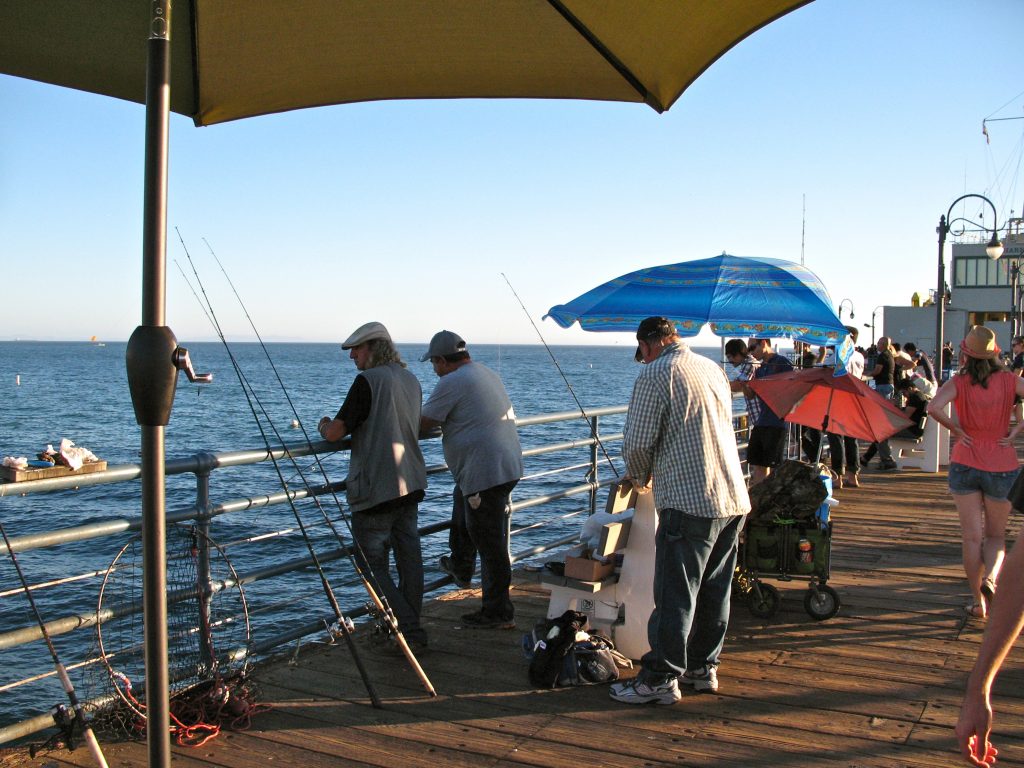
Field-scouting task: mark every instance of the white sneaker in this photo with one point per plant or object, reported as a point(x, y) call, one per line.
point(701, 680)
point(635, 692)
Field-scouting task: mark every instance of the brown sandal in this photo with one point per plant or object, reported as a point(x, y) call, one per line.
point(975, 611)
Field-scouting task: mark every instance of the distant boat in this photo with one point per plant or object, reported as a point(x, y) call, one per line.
point(96, 342)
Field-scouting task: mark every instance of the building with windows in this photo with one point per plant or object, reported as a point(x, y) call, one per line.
point(982, 291)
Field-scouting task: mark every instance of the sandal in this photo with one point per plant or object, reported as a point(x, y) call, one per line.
point(975, 611)
point(987, 589)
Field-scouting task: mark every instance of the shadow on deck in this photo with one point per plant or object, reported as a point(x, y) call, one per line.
point(878, 685)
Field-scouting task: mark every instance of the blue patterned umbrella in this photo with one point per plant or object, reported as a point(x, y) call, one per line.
point(738, 296)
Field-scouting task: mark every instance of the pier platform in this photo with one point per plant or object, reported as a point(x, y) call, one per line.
point(879, 685)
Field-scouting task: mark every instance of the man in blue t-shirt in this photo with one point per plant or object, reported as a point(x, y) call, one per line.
point(768, 437)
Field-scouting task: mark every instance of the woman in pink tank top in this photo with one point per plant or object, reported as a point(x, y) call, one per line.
point(983, 462)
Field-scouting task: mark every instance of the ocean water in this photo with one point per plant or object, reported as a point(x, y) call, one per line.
point(54, 390)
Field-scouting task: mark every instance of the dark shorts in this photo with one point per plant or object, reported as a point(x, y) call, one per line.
point(964, 480)
point(765, 446)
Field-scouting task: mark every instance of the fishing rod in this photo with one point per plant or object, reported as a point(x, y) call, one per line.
point(583, 413)
point(379, 601)
point(249, 393)
point(65, 681)
point(376, 595)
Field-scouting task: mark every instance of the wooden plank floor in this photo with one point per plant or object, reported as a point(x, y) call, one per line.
point(878, 685)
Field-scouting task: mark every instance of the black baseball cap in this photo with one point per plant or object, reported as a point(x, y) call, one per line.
point(652, 328)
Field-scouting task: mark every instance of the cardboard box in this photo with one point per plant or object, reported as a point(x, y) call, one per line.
point(585, 569)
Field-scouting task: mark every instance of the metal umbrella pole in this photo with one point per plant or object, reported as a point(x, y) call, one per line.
point(153, 359)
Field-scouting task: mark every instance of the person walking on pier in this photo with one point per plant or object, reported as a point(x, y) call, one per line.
point(983, 462)
point(679, 434)
point(481, 447)
point(1005, 622)
point(386, 475)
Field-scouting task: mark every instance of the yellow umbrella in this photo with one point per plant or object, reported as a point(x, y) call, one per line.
point(238, 58)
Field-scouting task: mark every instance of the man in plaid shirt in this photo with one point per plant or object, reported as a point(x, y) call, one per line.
point(744, 367)
point(679, 435)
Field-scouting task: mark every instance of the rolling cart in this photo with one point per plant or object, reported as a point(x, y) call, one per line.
point(788, 536)
point(786, 550)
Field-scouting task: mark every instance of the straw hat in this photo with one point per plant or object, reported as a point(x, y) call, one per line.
point(980, 343)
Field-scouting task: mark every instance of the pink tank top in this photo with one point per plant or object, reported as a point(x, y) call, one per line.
point(984, 414)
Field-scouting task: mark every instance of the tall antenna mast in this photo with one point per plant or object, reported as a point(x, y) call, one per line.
point(803, 229)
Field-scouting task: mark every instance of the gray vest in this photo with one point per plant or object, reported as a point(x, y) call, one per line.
point(386, 462)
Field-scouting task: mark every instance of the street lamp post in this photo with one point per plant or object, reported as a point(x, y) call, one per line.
point(994, 249)
point(872, 326)
point(1014, 283)
point(845, 301)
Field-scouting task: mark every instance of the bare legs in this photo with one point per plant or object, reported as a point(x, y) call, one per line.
point(983, 527)
point(757, 474)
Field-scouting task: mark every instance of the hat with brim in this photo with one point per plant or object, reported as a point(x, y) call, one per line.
point(443, 344)
point(980, 343)
point(364, 333)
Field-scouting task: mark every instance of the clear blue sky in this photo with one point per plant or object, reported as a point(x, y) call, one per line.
point(407, 212)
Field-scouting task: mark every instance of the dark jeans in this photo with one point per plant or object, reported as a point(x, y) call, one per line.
point(484, 531)
point(884, 451)
point(845, 454)
point(843, 451)
point(397, 527)
point(694, 560)
point(809, 440)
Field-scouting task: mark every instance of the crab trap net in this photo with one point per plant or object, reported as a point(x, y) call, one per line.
point(208, 642)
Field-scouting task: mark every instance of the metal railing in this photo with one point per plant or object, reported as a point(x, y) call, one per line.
point(567, 464)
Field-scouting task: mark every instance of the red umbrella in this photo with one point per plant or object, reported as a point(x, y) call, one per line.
point(842, 405)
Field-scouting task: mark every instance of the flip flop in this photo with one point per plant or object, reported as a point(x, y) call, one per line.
point(987, 589)
point(975, 611)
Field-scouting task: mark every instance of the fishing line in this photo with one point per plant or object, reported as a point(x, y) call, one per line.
point(376, 593)
point(65, 681)
point(250, 395)
point(583, 413)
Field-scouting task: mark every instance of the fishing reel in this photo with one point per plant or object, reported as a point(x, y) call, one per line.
point(336, 629)
point(65, 720)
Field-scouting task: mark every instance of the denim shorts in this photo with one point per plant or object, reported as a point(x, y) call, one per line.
point(964, 480)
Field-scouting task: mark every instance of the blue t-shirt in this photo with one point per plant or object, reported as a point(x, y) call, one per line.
point(775, 364)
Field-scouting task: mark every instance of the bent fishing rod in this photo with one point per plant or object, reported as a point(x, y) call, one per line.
point(379, 601)
point(65, 681)
point(376, 594)
point(583, 412)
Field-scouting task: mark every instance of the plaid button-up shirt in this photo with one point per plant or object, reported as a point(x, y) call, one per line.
point(745, 372)
point(679, 430)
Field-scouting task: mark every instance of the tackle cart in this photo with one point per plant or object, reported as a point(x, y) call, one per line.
point(788, 536)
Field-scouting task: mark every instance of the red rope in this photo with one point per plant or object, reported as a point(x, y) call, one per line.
point(196, 722)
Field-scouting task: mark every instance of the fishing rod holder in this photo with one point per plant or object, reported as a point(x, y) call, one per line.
point(153, 359)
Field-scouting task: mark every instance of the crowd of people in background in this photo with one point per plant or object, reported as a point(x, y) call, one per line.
point(903, 374)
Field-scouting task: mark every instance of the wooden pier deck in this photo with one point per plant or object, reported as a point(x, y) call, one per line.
point(878, 685)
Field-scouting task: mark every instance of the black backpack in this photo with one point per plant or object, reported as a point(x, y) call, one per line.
point(557, 658)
